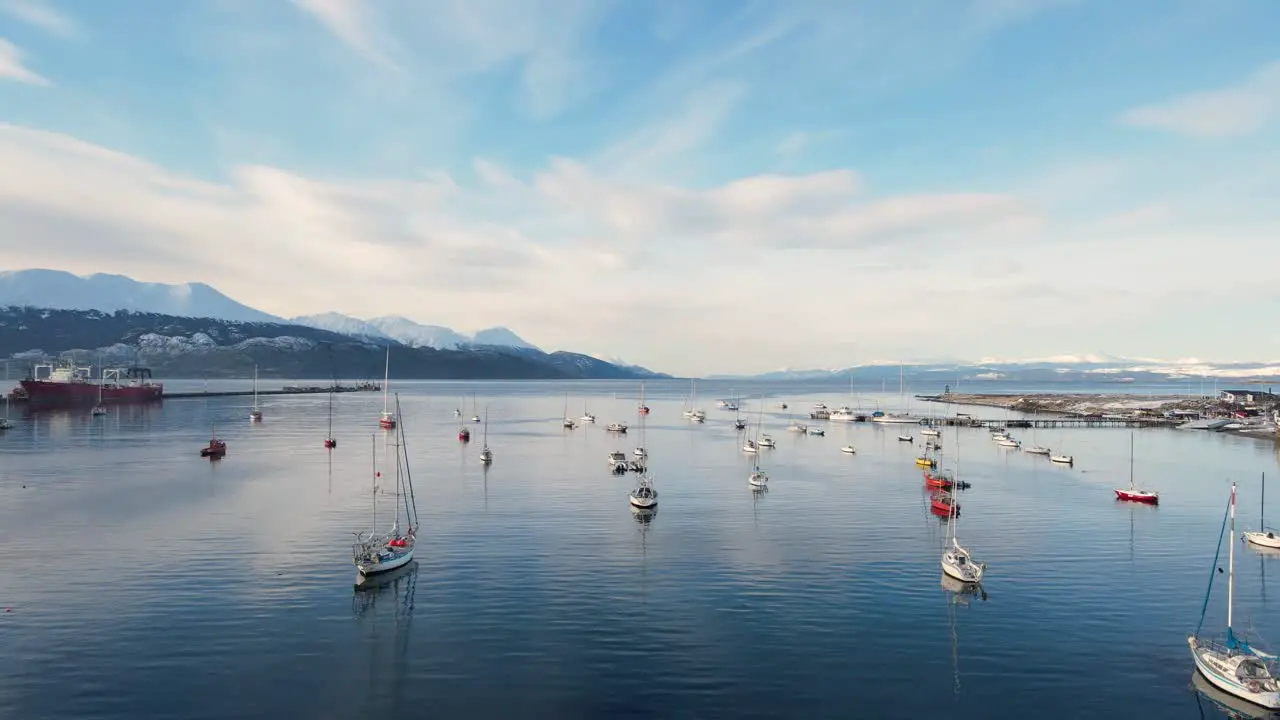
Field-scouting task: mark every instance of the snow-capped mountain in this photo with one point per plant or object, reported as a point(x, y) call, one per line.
point(108, 293)
point(407, 332)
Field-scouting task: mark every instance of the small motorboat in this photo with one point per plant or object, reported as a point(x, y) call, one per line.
point(817, 431)
point(931, 432)
point(924, 461)
point(906, 438)
point(796, 428)
point(640, 452)
point(568, 424)
point(587, 418)
point(765, 441)
point(617, 457)
point(1062, 459)
point(214, 450)
point(848, 450)
point(475, 418)
point(617, 428)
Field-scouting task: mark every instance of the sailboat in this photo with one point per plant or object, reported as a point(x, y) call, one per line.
point(464, 432)
point(586, 416)
point(956, 560)
point(255, 414)
point(1133, 494)
point(5, 423)
point(475, 415)
point(642, 409)
point(1233, 666)
point(758, 477)
point(738, 422)
point(378, 552)
point(644, 495)
point(387, 421)
point(100, 409)
point(330, 441)
point(486, 455)
point(1265, 536)
point(693, 413)
point(568, 421)
point(1034, 448)
point(898, 417)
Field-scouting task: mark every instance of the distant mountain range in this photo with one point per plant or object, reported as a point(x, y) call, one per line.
point(192, 330)
point(61, 290)
point(1059, 369)
point(191, 347)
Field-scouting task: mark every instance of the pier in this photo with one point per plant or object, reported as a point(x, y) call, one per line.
point(287, 390)
point(1056, 422)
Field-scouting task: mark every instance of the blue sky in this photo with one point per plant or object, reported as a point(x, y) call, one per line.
point(695, 186)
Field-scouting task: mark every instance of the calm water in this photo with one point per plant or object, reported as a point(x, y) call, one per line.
point(142, 581)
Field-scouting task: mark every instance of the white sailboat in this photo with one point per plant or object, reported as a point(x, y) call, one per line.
point(255, 414)
point(5, 422)
point(644, 495)
point(387, 420)
point(1233, 666)
point(586, 416)
point(330, 441)
point(378, 552)
point(486, 455)
point(1035, 448)
point(693, 413)
point(568, 423)
point(956, 561)
point(475, 409)
point(758, 477)
point(100, 409)
point(1265, 536)
point(899, 418)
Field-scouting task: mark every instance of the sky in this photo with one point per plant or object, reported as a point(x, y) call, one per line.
point(702, 186)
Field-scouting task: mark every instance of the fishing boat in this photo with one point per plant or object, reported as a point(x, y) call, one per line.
point(617, 457)
point(486, 455)
point(616, 427)
point(1265, 537)
point(255, 415)
point(330, 441)
point(216, 448)
point(1132, 493)
point(377, 552)
point(943, 503)
point(387, 421)
point(644, 495)
point(1233, 666)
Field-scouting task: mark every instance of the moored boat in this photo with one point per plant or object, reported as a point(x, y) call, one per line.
point(71, 386)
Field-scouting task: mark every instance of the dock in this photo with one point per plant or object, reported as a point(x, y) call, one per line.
point(287, 390)
point(1043, 423)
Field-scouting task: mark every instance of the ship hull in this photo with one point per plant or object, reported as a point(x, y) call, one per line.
point(61, 394)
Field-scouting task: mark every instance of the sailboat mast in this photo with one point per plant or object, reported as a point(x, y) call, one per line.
point(1131, 463)
point(1231, 560)
point(386, 380)
point(330, 412)
point(1262, 512)
point(374, 491)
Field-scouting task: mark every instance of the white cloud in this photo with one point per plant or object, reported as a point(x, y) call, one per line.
point(41, 14)
point(1240, 109)
point(11, 66)
point(354, 23)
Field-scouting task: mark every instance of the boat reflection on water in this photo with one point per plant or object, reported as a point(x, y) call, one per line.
point(958, 595)
point(644, 516)
point(1226, 703)
point(963, 591)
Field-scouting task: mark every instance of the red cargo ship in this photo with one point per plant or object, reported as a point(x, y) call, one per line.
point(70, 386)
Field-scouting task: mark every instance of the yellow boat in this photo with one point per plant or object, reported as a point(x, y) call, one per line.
point(926, 462)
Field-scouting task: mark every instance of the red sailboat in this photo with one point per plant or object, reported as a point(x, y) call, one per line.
point(1132, 493)
point(938, 480)
point(464, 435)
point(216, 448)
point(944, 504)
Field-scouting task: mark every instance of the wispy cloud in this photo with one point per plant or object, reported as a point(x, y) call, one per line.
point(355, 23)
point(41, 14)
point(652, 149)
point(11, 66)
point(1241, 109)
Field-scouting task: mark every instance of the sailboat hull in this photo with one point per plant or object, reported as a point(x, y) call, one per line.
point(1206, 660)
point(1137, 496)
point(968, 574)
point(1264, 539)
point(397, 560)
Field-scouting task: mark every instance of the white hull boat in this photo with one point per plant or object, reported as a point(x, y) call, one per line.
point(797, 428)
point(817, 431)
point(956, 561)
point(906, 438)
point(848, 450)
point(1234, 666)
point(930, 432)
point(749, 447)
point(758, 478)
point(765, 441)
point(616, 457)
point(1266, 537)
point(1062, 459)
point(385, 562)
point(375, 552)
point(1008, 442)
point(640, 452)
point(1036, 450)
point(588, 418)
point(896, 419)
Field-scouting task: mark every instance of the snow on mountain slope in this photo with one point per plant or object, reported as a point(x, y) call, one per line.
point(416, 335)
point(503, 337)
point(109, 293)
point(339, 323)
